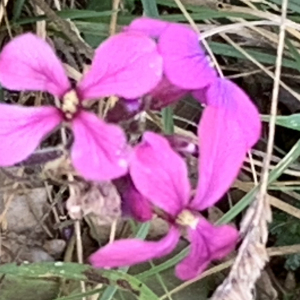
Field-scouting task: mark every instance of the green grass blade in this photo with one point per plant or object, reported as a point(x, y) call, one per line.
point(292, 5)
point(227, 50)
point(79, 295)
point(168, 122)
point(163, 266)
point(17, 9)
point(294, 52)
point(150, 8)
point(291, 122)
point(74, 271)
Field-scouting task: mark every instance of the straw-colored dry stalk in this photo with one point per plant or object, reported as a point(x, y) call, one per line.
point(252, 255)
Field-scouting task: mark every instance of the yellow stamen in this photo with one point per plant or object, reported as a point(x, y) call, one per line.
point(187, 218)
point(70, 104)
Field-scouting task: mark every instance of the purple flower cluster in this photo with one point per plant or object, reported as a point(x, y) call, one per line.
point(161, 60)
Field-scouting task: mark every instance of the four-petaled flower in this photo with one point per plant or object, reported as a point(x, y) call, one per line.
point(126, 65)
point(160, 175)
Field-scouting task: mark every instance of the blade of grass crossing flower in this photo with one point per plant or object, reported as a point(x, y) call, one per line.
point(79, 272)
point(291, 121)
point(110, 291)
point(150, 8)
point(160, 280)
point(18, 5)
point(292, 155)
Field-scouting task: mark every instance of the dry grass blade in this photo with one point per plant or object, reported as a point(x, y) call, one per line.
point(252, 254)
point(2, 9)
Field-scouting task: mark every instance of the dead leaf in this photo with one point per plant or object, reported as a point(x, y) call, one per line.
point(99, 200)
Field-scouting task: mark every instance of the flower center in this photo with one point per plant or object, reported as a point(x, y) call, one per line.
point(187, 218)
point(70, 104)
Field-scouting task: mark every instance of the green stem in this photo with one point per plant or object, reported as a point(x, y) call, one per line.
point(168, 122)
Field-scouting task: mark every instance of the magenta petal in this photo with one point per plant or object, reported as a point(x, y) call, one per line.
point(165, 93)
point(148, 26)
point(229, 127)
point(29, 63)
point(208, 242)
point(22, 129)
point(185, 63)
point(225, 93)
point(128, 252)
point(127, 65)
point(222, 152)
point(160, 174)
point(100, 150)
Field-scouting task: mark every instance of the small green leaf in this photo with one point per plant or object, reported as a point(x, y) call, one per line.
point(292, 121)
point(99, 5)
point(168, 122)
point(150, 8)
point(74, 271)
point(227, 50)
point(15, 287)
point(292, 4)
point(17, 9)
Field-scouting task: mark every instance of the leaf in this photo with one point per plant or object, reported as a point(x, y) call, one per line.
point(167, 115)
point(292, 121)
point(74, 271)
point(294, 51)
point(97, 5)
point(292, 4)
point(150, 8)
point(14, 287)
point(164, 266)
point(17, 9)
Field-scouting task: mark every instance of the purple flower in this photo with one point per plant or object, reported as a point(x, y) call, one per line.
point(127, 65)
point(160, 174)
point(185, 64)
point(134, 204)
